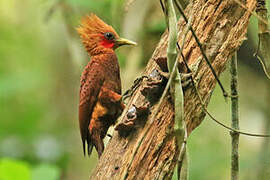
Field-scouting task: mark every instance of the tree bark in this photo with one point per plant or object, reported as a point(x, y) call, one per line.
point(150, 152)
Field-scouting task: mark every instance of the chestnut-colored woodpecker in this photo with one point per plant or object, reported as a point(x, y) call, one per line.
point(100, 91)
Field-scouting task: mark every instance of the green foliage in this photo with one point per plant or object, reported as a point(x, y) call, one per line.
point(14, 170)
point(20, 77)
point(11, 169)
point(46, 172)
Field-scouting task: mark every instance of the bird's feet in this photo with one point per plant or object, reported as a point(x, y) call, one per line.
point(132, 119)
point(186, 78)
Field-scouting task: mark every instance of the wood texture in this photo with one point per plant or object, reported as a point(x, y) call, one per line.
point(150, 152)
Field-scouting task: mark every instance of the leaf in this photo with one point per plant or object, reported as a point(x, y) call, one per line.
point(264, 37)
point(265, 52)
point(179, 105)
point(46, 172)
point(14, 169)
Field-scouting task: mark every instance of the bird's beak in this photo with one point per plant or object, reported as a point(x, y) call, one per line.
point(122, 41)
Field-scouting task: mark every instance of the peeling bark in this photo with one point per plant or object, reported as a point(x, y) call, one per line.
point(150, 152)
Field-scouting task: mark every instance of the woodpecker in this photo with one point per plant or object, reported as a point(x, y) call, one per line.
point(100, 91)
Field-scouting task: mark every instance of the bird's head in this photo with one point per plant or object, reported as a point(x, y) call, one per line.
point(98, 37)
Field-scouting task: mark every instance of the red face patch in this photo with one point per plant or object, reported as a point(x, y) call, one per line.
point(107, 43)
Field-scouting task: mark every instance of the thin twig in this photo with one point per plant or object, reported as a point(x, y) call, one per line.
point(232, 129)
point(182, 154)
point(263, 66)
point(162, 6)
point(176, 87)
point(235, 119)
point(225, 94)
point(210, 115)
point(183, 163)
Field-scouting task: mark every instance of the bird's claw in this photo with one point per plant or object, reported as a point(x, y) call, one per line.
point(131, 119)
point(186, 80)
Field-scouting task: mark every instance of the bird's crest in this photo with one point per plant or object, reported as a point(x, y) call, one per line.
point(92, 31)
point(94, 25)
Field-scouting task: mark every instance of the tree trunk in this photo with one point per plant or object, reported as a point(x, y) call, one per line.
point(150, 152)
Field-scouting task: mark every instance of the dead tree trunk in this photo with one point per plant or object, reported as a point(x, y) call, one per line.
point(150, 152)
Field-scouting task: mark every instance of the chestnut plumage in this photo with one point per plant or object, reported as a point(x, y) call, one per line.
point(100, 91)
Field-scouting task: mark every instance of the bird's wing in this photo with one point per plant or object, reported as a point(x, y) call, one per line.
point(91, 83)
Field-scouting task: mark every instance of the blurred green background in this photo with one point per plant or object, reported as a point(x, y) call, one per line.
point(41, 59)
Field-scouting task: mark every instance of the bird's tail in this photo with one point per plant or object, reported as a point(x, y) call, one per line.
point(89, 146)
point(91, 142)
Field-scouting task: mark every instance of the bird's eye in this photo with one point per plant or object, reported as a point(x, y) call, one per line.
point(109, 36)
